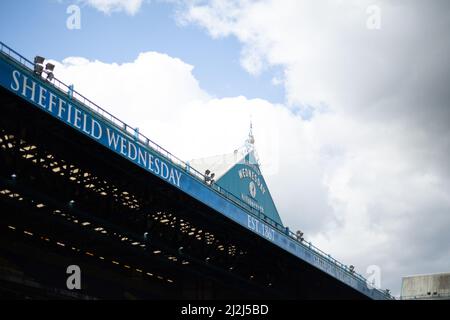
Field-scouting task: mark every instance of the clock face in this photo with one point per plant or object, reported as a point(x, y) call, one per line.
point(252, 189)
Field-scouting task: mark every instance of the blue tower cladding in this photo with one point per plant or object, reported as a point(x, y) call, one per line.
point(245, 181)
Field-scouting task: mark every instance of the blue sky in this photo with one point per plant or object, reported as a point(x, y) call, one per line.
point(39, 27)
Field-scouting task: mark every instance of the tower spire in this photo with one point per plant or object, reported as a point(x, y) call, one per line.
point(251, 139)
point(250, 142)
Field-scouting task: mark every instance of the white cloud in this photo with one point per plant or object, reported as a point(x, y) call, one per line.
point(159, 94)
point(367, 177)
point(131, 7)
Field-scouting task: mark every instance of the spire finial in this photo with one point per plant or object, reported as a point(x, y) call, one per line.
point(250, 145)
point(251, 139)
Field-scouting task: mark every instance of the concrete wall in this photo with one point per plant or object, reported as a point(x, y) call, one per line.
point(434, 286)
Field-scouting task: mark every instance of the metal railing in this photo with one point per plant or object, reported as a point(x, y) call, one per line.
point(434, 296)
point(145, 141)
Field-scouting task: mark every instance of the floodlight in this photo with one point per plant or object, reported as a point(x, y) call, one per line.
point(39, 60)
point(299, 235)
point(50, 67)
point(50, 76)
point(38, 69)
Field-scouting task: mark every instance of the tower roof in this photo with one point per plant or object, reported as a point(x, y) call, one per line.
point(239, 173)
